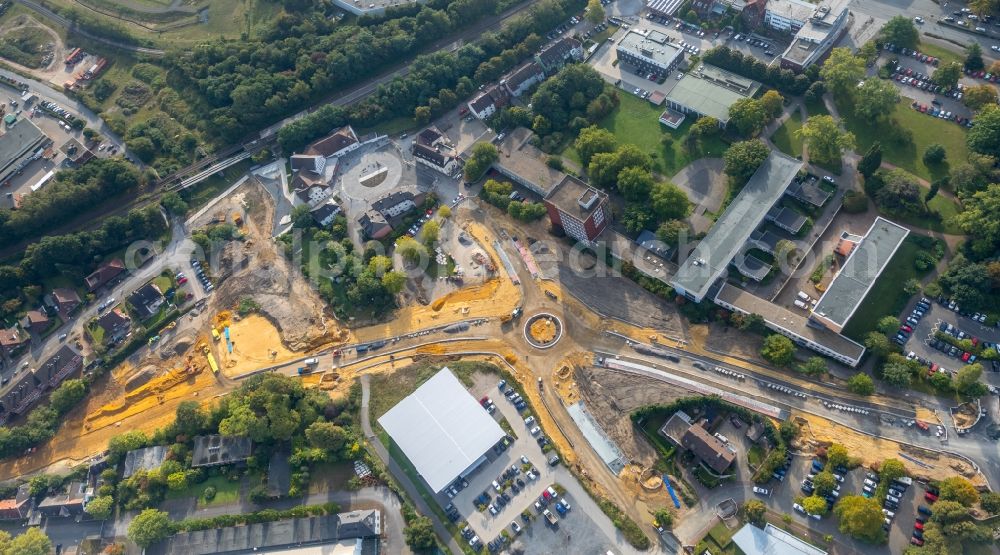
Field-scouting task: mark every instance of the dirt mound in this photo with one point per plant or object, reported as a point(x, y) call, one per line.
point(140, 378)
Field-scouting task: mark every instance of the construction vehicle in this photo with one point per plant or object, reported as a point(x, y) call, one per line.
point(215, 334)
point(212, 364)
point(305, 370)
point(238, 219)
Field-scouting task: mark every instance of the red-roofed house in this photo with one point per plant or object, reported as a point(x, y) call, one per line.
point(16, 507)
point(11, 339)
point(103, 274)
point(35, 321)
point(65, 300)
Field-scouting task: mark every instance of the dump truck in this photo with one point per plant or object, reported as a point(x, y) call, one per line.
point(215, 334)
point(212, 364)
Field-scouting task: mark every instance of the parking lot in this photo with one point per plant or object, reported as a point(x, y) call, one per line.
point(920, 341)
point(911, 73)
point(582, 526)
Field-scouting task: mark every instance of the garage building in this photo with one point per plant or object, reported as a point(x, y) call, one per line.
point(442, 430)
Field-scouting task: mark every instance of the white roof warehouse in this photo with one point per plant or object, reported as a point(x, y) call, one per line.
point(442, 430)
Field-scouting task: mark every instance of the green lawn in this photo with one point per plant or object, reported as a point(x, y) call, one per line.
point(199, 195)
point(816, 108)
point(784, 138)
point(394, 126)
point(226, 492)
point(637, 122)
point(887, 295)
point(945, 210)
point(908, 155)
point(943, 54)
point(163, 283)
point(755, 455)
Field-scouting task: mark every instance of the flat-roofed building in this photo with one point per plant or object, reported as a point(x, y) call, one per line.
point(579, 209)
point(647, 54)
point(442, 430)
point(710, 259)
point(858, 274)
point(524, 164)
point(771, 540)
point(817, 27)
point(663, 8)
point(796, 327)
point(18, 146)
point(710, 91)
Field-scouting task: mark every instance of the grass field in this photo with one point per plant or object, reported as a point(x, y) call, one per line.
point(636, 122)
point(908, 155)
point(226, 492)
point(887, 295)
point(784, 138)
point(817, 108)
point(944, 207)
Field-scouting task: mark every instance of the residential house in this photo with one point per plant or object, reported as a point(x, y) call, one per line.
point(708, 448)
point(35, 321)
point(65, 300)
point(338, 143)
point(554, 56)
point(146, 300)
point(308, 162)
point(216, 450)
point(67, 503)
point(440, 158)
point(17, 507)
point(431, 136)
point(325, 213)
point(487, 102)
point(115, 324)
point(11, 339)
point(58, 367)
point(20, 395)
point(388, 212)
point(104, 274)
point(523, 78)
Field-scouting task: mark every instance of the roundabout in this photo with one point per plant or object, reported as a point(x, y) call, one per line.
point(543, 330)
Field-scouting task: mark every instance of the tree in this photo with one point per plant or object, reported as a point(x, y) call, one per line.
point(967, 378)
point(123, 443)
point(878, 344)
point(824, 483)
point(664, 518)
point(301, 217)
point(981, 221)
point(815, 366)
point(891, 469)
point(604, 167)
point(875, 99)
point(635, 183)
point(149, 527)
point(900, 31)
point(958, 489)
point(749, 116)
point(174, 204)
point(100, 507)
point(595, 12)
point(932, 191)
point(899, 192)
point(825, 139)
point(990, 502)
point(887, 324)
point(177, 481)
point(897, 374)
point(743, 158)
point(861, 384)
point(773, 103)
point(444, 212)
point(837, 455)
point(327, 436)
point(419, 533)
point(947, 75)
point(974, 57)
point(411, 251)
point(593, 140)
point(67, 395)
point(871, 161)
point(982, 7)
point(393, 281)
point(671, 231)
point(815, 505)
point(669, 202)
point(977, 96)
point(984, 137)
point(705, 126)
point(860, 518)
point(32, 542)
point(430, 232)
point(778, 349)
point(842, 70)
point(482, 157)
point(189, 419)
point(755, 512)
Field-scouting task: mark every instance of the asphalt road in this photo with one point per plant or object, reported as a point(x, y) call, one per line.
point(104, 40)
point(932, 13)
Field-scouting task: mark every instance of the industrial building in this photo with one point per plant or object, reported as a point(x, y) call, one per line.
point(710, 91)
point(442, 430)
point(772, 540)
point(22, 143)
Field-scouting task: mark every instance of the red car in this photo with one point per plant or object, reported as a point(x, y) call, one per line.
point(484, 401)
point(965, 357)
point(918, 526)
point(933, 369)
point(906, 328)
point(916, 541)
point(930, 497)
point(182, 281)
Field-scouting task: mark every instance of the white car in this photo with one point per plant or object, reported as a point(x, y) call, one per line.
point(799, 508)
point(496, 486)
point(524, 459)
point(761, 491)
point(529, 421)
point(918, 20)
point(515, 527)
point(535, 431)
